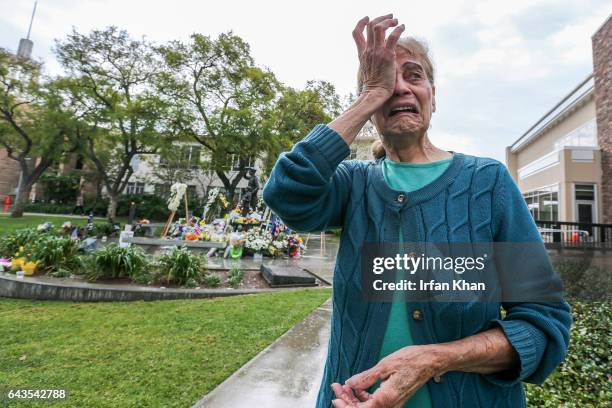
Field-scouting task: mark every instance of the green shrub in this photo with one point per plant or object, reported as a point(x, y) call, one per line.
point(582, 380)
point(211, 279)
point(49, 208)
point(180, 265)
point(236, 276)
point(153, 207)
point(144, 276)
point(53, 253)
point(11, 242)
point(113, 261)
point(99, 207)
point(61, 188)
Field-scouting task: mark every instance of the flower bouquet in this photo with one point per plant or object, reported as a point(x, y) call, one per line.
point(20, 263)
point(295, 245)
point(216, 204)
point(257, 240)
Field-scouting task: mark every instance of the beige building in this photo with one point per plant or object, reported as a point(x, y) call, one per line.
point(557, 162)
point(361, 148)
point(562, 163)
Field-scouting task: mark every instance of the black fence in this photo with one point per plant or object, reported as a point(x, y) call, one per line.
point(557, 234)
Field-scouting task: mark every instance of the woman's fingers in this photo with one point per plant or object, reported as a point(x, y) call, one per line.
point(344, 396)
point(363, 395)
point(365, 379)
point(349, 393)
point(380, 30)
point(388, 394)
point(370, 40)
point(394, 36)
point(338, 403)
point(358, 34)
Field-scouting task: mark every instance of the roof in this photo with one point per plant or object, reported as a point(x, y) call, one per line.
point(577, 97)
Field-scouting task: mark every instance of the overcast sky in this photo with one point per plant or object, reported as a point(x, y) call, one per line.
point(500, 64)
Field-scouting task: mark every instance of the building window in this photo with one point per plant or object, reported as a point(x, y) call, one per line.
point(135, 188)
point(538, 165)
point(234, 162)
point(584, 135)
point(543, 203)
point(185, 156)
point(162, 190)
point(584, 192)
point(585, 206)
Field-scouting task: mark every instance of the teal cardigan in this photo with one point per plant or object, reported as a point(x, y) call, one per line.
point(313, 188)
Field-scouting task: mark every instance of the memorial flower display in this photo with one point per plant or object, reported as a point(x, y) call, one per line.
point(296, 245)
point(247, 220)
point(256, 240)
point(191, 236)
point(216, 204)
point(177, 191)
point(21, 262)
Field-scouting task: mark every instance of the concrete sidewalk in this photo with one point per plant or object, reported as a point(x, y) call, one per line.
point(285, 374)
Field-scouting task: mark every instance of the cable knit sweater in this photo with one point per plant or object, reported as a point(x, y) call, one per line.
point(313, 188)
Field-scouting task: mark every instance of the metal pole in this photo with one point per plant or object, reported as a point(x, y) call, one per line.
point(32, 19)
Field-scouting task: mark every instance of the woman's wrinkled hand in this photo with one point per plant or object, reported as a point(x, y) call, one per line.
point(402, 373)
point(377, 54)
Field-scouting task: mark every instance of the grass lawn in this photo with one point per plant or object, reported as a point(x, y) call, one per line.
point(140, 354)
point(8, 224)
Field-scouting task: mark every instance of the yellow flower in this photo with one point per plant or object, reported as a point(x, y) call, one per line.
point(29, 268)
point(17, 263)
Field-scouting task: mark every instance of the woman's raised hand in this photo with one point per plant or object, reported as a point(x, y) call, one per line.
point(377, 67)
point(377, 54)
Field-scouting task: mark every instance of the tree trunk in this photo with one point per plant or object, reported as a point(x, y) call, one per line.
point(21, 200)
point(112, 208)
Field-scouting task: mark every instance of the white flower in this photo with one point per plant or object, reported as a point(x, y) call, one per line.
point(177, 191)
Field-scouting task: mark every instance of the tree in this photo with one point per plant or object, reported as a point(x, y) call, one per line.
point(34, 127)
point(111, 88)
point(235, 109)
point(223, 100)
point(297, 112)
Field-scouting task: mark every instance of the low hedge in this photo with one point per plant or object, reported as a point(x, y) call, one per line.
point(148, 206)
point(583, 379)
point(51, 208)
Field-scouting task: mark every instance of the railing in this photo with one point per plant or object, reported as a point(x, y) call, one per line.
point(576, 235)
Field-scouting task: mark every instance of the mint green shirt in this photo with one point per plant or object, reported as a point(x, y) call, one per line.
point(406, 177)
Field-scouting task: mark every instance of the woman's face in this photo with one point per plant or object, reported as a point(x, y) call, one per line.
point(409, 110)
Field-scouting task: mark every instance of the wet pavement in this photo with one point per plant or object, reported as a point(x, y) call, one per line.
point(285, 374)
point(288, 372)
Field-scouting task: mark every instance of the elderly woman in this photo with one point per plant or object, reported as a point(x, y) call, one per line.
point(411, 353)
